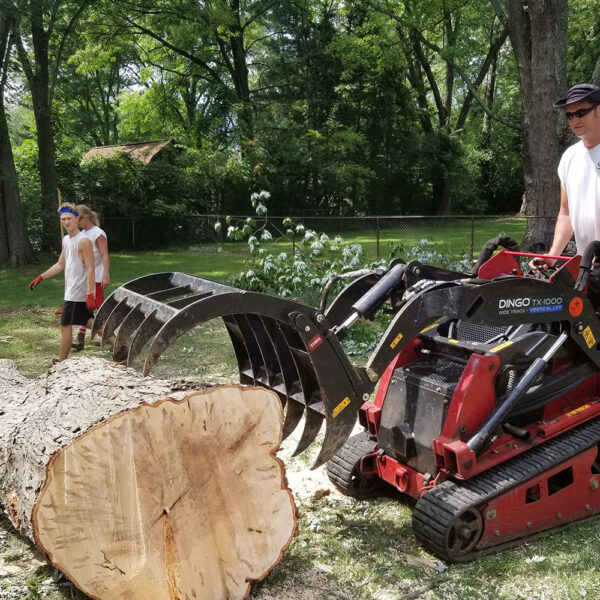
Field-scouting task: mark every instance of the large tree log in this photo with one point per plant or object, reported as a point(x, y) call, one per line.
point(134, 494)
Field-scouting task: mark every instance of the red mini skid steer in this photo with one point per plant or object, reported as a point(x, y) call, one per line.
point(487, 410)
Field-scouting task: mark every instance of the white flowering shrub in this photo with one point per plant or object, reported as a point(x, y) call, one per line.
point(308, 260)
point(301, 268)
point(430, 254)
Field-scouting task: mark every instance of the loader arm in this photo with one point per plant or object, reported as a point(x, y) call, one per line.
point(504, 302)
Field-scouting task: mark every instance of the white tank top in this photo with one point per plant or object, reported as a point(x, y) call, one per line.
point(93, 234)
point(579, 172)
point(75, 271)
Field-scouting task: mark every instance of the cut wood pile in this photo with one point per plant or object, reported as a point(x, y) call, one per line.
point(137, 490)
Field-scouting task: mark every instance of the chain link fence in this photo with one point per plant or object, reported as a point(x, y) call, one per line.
point(465, 234)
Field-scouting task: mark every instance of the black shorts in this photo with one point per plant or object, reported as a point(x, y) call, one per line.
point(75, 313)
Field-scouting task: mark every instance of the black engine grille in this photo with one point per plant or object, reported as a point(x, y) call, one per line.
point(472, 332)
point(436, 370)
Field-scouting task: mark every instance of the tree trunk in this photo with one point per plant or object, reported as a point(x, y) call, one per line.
point(538, 36)
point(596, 73)
point(15, 248)
point(490, 90)
point(134, 494)
point(12, 218)
point(38, 78)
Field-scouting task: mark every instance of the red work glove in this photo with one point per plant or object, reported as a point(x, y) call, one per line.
point(90, 301)
point(35, 282)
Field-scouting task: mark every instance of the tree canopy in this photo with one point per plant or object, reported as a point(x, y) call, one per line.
point(368, 107)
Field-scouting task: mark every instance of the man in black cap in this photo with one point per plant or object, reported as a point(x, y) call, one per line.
point(579, 173)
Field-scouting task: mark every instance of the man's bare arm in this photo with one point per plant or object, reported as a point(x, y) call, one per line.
point(103, 248)
point(563, 230)
point(56, 268)
point(86, 253)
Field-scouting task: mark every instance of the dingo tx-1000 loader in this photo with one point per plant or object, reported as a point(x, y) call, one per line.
point(487, 408)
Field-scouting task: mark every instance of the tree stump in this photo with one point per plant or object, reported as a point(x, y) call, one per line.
point(136, 494)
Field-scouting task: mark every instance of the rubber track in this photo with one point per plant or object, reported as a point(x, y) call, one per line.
point(341, 467)
point(436, 511)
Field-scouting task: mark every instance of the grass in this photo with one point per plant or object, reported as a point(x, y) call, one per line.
point(29, 330)
point(364, 550)
point(451, 236)
point(367, 550)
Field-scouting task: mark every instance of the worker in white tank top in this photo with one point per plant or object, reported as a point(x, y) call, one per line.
point(579, 174)
point(77, 261)
point(88, 221)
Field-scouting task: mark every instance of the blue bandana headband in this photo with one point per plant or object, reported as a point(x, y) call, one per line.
point(69, 210)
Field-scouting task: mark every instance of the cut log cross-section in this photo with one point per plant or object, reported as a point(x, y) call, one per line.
point(135, 492)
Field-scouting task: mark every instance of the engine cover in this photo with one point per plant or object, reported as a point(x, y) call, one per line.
point(414, 409)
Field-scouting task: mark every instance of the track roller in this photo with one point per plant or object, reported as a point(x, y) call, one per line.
point(344, 468)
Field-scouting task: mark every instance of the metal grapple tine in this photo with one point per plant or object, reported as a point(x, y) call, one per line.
point(307, 382)
point(312, 426)
point(286, 379)
point(149, 284)
point(272, 370)
point(103, 314)
point(293, 415)
point(292, 379)
point(129, 325)
point(257, 363)
point(157, 283)
point(144, 333)
point(298, 385)
point(338, 430)
point(170, 292)
point(120, 311)
point(183, 302)
point(312, 398)
point(240, 349)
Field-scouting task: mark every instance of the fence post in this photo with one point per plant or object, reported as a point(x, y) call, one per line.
point(132, 233)
point(220, 233)
point(472, 238)
point(378, 236)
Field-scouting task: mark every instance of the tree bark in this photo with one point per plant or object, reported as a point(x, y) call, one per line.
point(38, 78)
point(135, 494)
point(596, 73)
point(538, 33)
point(15, 248)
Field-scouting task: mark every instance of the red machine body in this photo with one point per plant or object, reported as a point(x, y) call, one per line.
point(537, 483)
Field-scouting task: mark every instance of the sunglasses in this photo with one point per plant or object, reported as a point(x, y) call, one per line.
point(580, 113)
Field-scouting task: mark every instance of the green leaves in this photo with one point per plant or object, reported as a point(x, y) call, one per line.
point(301, 273)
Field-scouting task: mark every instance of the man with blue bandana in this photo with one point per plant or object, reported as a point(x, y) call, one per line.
point(77, 261)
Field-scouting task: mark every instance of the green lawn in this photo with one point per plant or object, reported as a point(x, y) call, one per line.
point(221, 262)
point(453, 236)
point(365, 548)
point(210, 261)
point(29, 330)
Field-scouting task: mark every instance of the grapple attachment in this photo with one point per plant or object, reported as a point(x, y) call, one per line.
point(279, 344)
